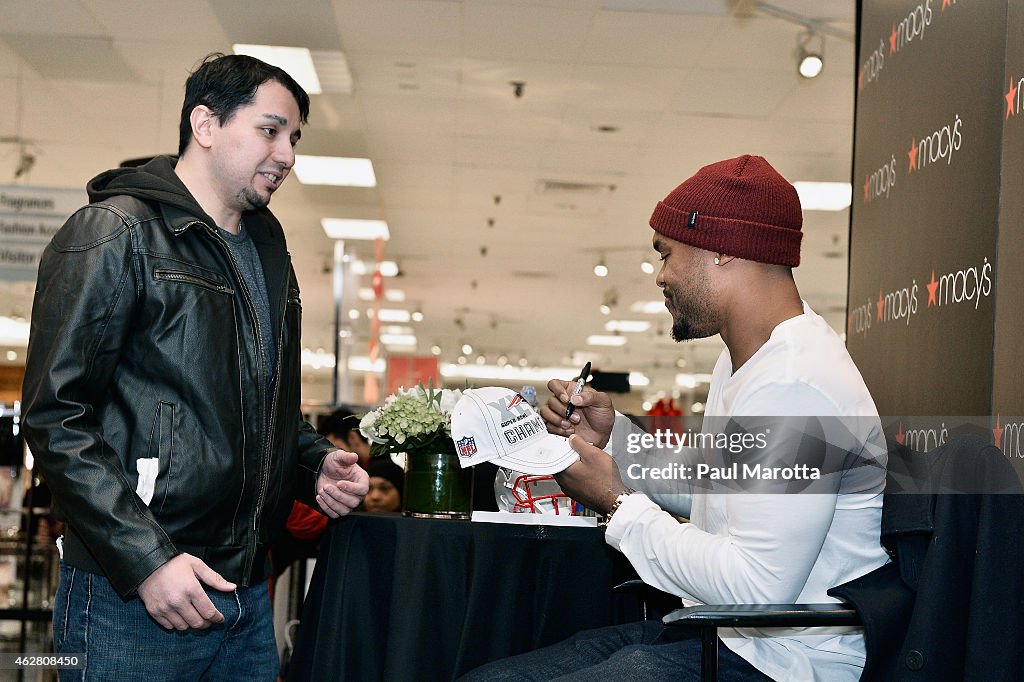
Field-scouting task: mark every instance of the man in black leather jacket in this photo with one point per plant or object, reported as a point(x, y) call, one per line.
point(162, 393)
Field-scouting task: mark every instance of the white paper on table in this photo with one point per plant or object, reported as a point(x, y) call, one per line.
point(536, 519)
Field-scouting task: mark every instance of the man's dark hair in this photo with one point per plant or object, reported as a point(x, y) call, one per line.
point(225, 83)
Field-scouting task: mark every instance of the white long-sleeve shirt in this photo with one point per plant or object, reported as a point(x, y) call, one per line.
point(743, 547)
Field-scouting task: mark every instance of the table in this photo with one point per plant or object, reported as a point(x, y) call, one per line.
point(394, 598)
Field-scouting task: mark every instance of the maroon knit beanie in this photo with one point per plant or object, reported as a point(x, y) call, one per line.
point(741, 207)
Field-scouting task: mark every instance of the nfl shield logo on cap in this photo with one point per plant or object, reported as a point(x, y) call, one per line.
point(466, 446)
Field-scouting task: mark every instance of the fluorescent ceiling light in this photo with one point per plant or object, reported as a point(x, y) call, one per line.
point(398, 339)
point(334, 170)
point(649, 307)
point(296, 61)
point(692, 380)
point(317, 359)
point(13, 332)
point(393, 315)
point(598, 340)
point(507, 373)
point(824, 196)
point(332, 69)
point(638, 379)
point(393, 295)
point(388, 268)
point(321, 359)
point(396, 329)
point(348, 228)
point(626, 326)
point(362, 363)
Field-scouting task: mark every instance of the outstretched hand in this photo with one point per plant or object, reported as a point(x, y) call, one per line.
point(342, 484)
point(592, 419)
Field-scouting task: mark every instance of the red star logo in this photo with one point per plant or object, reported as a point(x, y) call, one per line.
point(867, 189)
point(892, 40)
point(997, 434)
point(881, 305)
point(860, 79)
point(900, 436)
point(932, 286)
point(1011, 99)
point(912, 155)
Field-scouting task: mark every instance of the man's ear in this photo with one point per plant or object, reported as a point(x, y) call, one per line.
point(203, 121)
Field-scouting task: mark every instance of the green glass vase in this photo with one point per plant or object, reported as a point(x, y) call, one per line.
point(436, 486)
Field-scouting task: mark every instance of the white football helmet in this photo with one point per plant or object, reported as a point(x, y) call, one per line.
point(521, 493)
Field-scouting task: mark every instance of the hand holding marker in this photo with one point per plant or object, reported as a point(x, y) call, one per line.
point(579, 389)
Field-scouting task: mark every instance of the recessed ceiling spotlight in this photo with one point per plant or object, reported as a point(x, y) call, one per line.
point(810, 57)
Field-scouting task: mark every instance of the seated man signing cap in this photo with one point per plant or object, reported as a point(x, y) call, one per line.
point(790, 512)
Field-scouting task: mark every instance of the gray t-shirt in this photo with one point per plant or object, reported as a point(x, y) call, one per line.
point(251, 268)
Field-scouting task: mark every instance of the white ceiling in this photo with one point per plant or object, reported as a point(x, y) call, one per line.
point(89, 83)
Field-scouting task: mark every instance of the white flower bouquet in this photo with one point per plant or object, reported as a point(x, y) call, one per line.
point(415, 420)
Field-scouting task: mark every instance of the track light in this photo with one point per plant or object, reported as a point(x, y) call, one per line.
point(810, 65)
point(811, 57)
point(26, 160)
point(601, 270)
point(610, 300)
point(647, 267)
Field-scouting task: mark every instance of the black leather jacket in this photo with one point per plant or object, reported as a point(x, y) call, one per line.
point(144, 346)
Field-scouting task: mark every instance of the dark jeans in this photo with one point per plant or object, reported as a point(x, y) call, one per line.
point(646, 650)
point(120, 642)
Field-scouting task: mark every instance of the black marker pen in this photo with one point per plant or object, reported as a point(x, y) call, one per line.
point(579, 389)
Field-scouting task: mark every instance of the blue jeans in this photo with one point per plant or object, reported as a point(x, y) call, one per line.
point(646, 650)
point(121, 642)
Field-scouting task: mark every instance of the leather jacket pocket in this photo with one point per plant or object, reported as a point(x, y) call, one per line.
point(192, 278)
point(154, 472)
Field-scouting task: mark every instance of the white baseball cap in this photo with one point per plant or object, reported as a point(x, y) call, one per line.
point(494, 424)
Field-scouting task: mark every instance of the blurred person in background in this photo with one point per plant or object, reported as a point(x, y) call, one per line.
point(386, 482)
point(341, 427)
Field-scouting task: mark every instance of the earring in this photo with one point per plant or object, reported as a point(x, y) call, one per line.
point(717, 260)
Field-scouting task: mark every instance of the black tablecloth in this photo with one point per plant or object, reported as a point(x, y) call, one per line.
point(396, 598)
